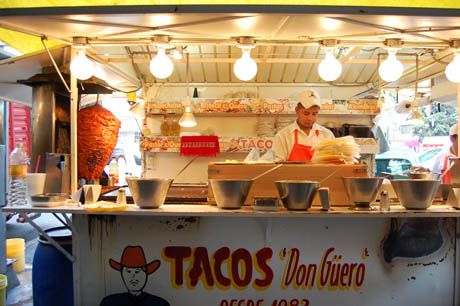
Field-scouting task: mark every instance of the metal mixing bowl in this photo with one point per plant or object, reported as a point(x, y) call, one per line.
point(230, 194)
point(149, 193)
point(297, 195)
point(416, 194)
point(424, 176)
point(362, 190)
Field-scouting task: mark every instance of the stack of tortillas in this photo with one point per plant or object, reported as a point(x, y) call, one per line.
point(343, 150)
point(266, 126)
point(282, 122)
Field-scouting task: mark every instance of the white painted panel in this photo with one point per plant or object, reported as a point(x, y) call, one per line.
point(416, 267)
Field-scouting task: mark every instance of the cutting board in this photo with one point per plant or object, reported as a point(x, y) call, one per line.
point(265, 186)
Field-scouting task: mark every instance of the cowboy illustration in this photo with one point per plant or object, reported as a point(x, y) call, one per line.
point(134, 271)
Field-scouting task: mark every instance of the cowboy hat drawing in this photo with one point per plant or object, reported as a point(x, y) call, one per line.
point(133, 257)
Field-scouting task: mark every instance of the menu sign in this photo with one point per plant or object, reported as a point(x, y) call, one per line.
point(226, 144)
point(264, 106)
point(160, 144)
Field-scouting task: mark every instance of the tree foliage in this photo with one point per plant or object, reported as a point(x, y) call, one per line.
point(438, 121)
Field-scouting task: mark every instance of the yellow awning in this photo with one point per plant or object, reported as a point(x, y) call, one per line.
point(24, 43)
point(439, 4)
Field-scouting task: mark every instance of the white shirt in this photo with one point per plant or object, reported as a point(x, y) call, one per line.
point(438, 165)
point(285, 139)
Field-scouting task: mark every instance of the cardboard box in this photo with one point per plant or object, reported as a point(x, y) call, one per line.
point(265, 187)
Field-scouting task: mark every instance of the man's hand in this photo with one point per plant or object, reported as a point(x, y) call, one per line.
point(419, 169)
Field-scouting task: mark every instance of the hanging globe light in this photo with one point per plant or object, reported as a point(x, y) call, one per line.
point(245, 68)
point(82, 67)
point(391, 69)
point(161, 66)
point(453, 69)
point(330, 68)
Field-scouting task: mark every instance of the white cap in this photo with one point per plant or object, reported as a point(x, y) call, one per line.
point(309, 98)
point(453, 130)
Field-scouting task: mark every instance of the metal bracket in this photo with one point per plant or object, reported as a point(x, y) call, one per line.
point(48, 238)
point(54, 64)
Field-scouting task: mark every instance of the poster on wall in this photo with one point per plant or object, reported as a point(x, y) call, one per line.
point(270, 262)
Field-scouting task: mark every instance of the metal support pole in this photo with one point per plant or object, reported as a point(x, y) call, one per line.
point(48, 238)
point(458, 113)
point(73, 128)
point(55, 65)
point(457, 263)
point(69, 222)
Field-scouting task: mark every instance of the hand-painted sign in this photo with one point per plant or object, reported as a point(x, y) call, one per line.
point(226, 144)
point(263, 106)
point(267, 261)
point(200, 265)
point(134, 271)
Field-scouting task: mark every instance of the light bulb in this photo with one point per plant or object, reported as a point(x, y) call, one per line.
point(81, 66)
point(161, 66)
point(177, 55)
point(415, 118)
point(391, 69)
point(453, 69)
point(330, 68)
point(187, 119)
point(245, 68)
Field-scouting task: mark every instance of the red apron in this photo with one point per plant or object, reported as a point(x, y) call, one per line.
point(447, 177)
point(300, 152)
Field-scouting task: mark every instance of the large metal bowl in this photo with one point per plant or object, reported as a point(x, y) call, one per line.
point(416, 194)
point(230, 194)
point(424, 176)
point(362, 190)
point(297, 195)
point(149, 193)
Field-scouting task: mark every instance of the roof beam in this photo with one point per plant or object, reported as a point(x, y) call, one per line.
point(258, 60)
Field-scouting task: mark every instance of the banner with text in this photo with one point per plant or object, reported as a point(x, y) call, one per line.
point(268, 261)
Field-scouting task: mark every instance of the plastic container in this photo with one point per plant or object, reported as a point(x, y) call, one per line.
point(52, 274)
point(3, 285)
point(15, 248)
point(121, 170)
point(35, 185)
point(113, 170)
point(17, 177)
point(174, 128)
point(164, 128)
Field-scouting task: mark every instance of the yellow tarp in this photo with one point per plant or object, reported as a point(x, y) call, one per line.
point(24, 43)
point(442, 4)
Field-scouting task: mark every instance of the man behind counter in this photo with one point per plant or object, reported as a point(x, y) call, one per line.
point(294, 142)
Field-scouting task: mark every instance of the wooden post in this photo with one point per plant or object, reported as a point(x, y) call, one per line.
point(73, 128)
point(458, 113)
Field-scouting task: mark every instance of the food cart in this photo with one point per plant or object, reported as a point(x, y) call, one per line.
point(199, 254)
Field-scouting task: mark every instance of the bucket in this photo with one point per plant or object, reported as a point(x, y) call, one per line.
point(3, 284)
point(15, 248)
point(52, 274)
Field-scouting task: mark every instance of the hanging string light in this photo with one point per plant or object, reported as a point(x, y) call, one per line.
point(187, 119)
